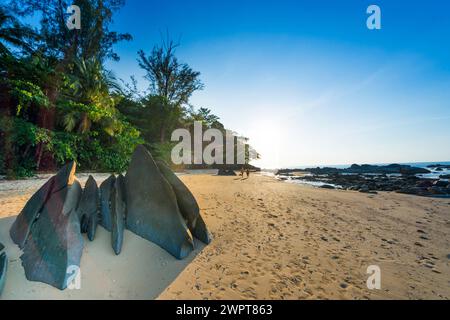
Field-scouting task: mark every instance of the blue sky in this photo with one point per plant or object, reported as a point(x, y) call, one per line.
point(306, 81)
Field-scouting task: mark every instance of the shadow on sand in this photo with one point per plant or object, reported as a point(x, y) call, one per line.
point(142, 271)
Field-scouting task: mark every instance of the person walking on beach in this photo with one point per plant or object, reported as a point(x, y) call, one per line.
point(242, 172)
point(248, 173)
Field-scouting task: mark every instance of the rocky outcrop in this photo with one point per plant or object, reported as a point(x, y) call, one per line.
point(226, 172)
point(361, 169)
point(22, 225)
point(54, 243)
point(3, 268)
point(118, 213)
point(187, 204)
point(370, 183)
point(152, 209)
point(88, 208)
point(150, 201)
point(106, 189)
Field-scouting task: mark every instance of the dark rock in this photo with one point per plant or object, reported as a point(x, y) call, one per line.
point(437, 190)
point(187, 204)
point(105, 202)
point(87, 211)
point(54, 244)
point(152, 209)
point(3, 269)
point(441, 183)
point(226, 172)
point(439, 169)
point(1, 247)
point(327, 186)
point(425, 183)
point(413, 191)
point(118, 213)
point(364, 189)
point(361, 169)
point(22, 225)
point(445, 176)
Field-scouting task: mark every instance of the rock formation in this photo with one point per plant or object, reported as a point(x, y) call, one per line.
point(3, 267)
point(53, 241)
point(21, 227)
point(88, 208)
point(118, 213)
point(105, 202)
point(150, 201)
point(226, 172)
point(187, 204)
point(152, 209)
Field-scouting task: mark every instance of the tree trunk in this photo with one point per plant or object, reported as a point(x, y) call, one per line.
point(46, 119)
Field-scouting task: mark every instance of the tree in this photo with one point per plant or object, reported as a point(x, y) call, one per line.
point(173, 82)
point(62, 47)
point(206, 116)
point(13, 33)
point(94, 39)
point(90, 87)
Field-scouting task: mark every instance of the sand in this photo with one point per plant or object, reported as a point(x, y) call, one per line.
point(272, 240)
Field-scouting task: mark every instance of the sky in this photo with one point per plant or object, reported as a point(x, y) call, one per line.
point(307, 81)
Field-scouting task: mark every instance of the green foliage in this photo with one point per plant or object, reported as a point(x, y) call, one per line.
point(21, 136)
point(59, 103)
point(27, 94)
point(162, 151)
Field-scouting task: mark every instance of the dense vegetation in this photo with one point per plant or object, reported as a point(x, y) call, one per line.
point(59, 103)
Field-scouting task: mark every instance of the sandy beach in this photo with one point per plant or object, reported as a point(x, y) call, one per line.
point(272, 240)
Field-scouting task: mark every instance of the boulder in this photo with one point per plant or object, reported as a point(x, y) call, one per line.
point(87, 211)
point(226, 172)
point(425, 183)
point(187, 204)
point(441, 183)
point(3, 268)
point(152, 209)
point(105, 202)
point(54, 244)
point(414, 191)
point(327, 186)
point(118, 213)
point(364, 188)
point(22, 225)
point(437, 190)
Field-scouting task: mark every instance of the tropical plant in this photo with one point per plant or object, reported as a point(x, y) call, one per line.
point(13, 33)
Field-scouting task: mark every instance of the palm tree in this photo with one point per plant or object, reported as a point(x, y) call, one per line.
point(92, 87)
point(13, 33)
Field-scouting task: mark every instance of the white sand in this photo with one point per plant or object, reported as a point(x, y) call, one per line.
point(142, 270)
point(272, 240)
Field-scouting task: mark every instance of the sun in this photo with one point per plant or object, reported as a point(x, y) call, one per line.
point(266, 138)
